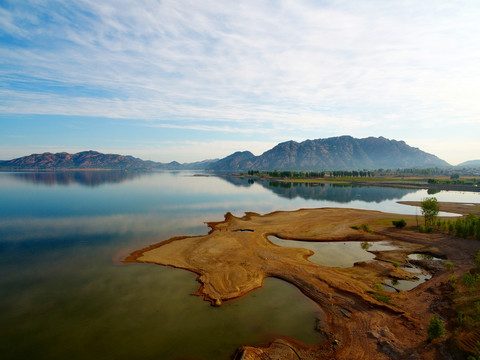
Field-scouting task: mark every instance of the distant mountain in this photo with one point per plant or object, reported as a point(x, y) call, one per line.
point(81, 160)
point(94, 160)
point(175, 165)
point(241, 160)
point(470, 164)
point(336, 153)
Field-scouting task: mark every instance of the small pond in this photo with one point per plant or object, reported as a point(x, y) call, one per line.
point(346, 254)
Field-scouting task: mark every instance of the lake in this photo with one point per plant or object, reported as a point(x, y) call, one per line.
point(66, 295)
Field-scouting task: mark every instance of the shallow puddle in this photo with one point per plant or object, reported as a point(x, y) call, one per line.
point(407, 285)
point(346, 254)
point(420, 256)
point(336, 253)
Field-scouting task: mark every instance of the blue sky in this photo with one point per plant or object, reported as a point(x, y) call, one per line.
point(192, 80)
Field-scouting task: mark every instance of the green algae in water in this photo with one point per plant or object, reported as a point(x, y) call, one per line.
point(146, 312)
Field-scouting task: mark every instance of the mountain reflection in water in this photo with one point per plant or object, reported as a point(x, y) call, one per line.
point(86, 178)
point(341, 193)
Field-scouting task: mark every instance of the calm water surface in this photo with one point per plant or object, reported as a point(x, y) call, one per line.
point(64, 293)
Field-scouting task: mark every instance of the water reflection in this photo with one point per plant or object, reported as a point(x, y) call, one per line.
point(334, 254)
point(62, 296)
point(86, 178)
point(67, 301)
point(341, 193)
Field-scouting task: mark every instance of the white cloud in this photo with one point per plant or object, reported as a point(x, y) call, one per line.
point(284, 68)
point(188, 151)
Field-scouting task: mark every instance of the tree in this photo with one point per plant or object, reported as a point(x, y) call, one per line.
point(436, 329)
point(430, 209)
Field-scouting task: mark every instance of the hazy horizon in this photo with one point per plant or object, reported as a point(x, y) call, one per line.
point(173, 160)
point(187, 81)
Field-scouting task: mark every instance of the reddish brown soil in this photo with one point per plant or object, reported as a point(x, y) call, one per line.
point(356, 324)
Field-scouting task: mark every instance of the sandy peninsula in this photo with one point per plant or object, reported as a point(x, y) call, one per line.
point(358, 320)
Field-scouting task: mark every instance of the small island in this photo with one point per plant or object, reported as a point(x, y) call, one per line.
point(359, 319)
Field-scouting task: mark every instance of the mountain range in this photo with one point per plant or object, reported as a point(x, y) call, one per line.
point(336, 153)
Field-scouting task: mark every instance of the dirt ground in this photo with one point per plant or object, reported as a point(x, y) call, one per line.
point(359, 321)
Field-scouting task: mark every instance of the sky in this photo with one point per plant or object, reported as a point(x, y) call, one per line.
point(189, 80)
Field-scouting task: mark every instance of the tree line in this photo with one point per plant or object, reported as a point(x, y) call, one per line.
point(454, 174)
point(464, 227)
point(312, 174)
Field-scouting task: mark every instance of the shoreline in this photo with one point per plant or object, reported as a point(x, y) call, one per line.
point(235, 257)
point(376, 182)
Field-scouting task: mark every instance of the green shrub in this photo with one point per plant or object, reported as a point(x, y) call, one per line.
point(365, 245)
point(448, 265)
point(425, 229)
point(366, 228)
point(470, 279)
point(450, 226)
point(378, 287)
point(443, 225)
point(355, 227)
point(477, 352)
point(399, 224)
point(468, 226)
point(435, 329)
point(452, 279)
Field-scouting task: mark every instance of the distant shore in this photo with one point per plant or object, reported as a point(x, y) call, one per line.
point(416, 183)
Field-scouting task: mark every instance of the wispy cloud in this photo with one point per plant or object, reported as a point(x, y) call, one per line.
point(293, 67)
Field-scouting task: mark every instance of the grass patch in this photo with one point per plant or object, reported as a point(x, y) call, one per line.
point(382, 297)
point(367, 228)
